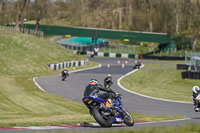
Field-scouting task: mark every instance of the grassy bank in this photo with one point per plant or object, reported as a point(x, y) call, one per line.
point(157, 81)
point(25, 54)
point(21, 58)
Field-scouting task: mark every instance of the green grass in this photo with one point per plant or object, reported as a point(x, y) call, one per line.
point(161, 83)
point(23, 57)
point(153, 118)
point(190, 128)
point(25, 54)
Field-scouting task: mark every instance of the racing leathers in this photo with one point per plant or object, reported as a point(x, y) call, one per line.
point(108, 82)
point(195, 94)
point(64, 74)
point(99, 91)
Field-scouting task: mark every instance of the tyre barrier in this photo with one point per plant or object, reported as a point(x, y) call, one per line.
point(190, 75)
point(182, 67)
point(61, 65)
point(163, 57)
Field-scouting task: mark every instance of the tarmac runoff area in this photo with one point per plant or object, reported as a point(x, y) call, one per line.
point(132, 101)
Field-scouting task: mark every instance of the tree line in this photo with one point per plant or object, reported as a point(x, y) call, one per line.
point(179, 17)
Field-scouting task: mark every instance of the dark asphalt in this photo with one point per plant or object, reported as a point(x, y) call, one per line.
point(74, 87)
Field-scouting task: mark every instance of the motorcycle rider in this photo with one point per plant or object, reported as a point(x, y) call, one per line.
point(137, 65)
point(96, 89)
point(65, 74)
point(196, 92)
point(108, 81)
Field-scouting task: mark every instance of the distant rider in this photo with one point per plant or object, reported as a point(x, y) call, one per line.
point(196, 92)
point(96, 89)
point(65, 74)
point(137, 65)
point(108, 81)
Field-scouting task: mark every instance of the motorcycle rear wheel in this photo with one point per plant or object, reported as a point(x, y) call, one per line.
point(100, 119)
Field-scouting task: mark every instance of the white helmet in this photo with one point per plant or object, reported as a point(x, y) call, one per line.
point(195, 89)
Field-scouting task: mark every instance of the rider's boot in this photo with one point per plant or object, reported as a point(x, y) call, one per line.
point(196, 109)
point(196, 106)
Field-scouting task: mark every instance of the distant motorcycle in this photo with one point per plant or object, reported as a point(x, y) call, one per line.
point(64, 75)
point(106, 116)
point(137, 65)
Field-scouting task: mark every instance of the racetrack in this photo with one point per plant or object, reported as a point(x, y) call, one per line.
point(74, 87)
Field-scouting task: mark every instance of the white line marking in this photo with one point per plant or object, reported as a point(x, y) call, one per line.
point(118, 82)
point(34, 79)
point(38, 84)
point(41, 127)
point(164, 121)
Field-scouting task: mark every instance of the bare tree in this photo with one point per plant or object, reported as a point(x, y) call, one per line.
point(1, 6)
point(196, 26)
point(21, 5)
point(170, 16)
point(42, 10)
point(150, 9)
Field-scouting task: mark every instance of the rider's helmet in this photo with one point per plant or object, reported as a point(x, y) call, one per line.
point(195, 89)
point(93, 82)
point(108, 75)
point(109, 78)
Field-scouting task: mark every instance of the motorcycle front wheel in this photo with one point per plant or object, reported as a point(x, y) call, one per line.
point(98, 116)
point(128, 119)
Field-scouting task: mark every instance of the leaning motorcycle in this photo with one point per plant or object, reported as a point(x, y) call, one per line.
point(105, 115)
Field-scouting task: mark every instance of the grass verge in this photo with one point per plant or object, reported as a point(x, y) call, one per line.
point(157, 81)
point(190, 128)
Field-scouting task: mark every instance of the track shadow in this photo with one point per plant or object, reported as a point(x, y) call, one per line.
point(95, 125)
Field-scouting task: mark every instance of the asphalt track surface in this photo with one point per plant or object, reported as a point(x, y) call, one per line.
point(74, 86)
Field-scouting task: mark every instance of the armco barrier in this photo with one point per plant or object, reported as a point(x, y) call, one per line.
point(182, 66)
point(190, 75)
point(124, 55)
point(68, 64)
point(163, 57)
